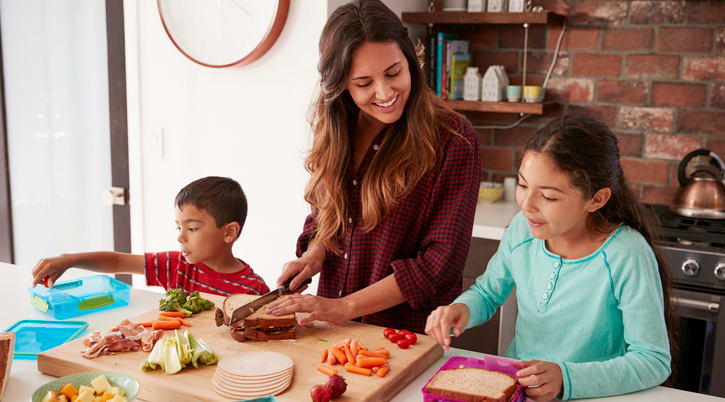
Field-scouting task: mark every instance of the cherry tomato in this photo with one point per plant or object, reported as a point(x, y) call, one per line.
point(411, 338)
point(388, 331)
point(395, 337)
point(403, 344)
point(404, 331)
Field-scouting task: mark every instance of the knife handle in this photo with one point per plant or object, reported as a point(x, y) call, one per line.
point(285, 286)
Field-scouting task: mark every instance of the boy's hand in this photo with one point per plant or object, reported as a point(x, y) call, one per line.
point(48, 270)
point(307, 266)
point(542, 379)
point(442, 319)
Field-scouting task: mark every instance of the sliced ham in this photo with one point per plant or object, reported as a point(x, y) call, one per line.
point(125, 337)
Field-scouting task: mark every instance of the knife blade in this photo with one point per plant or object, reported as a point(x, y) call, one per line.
point(248, 309)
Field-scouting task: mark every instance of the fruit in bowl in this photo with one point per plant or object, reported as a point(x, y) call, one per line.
point(490, 191)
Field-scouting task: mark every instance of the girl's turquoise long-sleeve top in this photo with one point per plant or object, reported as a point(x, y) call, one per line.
point(601, 317)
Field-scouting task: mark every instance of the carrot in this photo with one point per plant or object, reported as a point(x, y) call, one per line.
point(326, 370)
point(383, 370)
point(360, 346)
point(367, 362)
point(339, 355)
point(382, 351)
point(185, 323)
point(160, 324)
point(179, 314)
point(353, 347)
point(375, 369)
point(145, 324)
point(348, 354)
point(163, 318)
point(368, 353)
point(331, 359)
point(351, 368)
point(323, 356)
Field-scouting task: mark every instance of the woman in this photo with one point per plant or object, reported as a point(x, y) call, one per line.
point(394, 181)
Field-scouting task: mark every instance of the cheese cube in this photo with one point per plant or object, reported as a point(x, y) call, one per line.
point(119, 399)
point(62, 398)
point(86, 388)
point(85, 395)
point(117, 391)
point(100, 384)
point(49, 397)
point(98, 399)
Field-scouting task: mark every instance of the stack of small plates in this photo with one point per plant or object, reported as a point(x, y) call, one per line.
point(253, 374)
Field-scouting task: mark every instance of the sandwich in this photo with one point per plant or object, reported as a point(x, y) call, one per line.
point(472, 384)
point(7, 348)
point(258, 326)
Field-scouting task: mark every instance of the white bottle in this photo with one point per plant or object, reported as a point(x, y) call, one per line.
point(471, 84)
point(476, 6)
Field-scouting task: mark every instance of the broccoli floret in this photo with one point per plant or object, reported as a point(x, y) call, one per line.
point(174, 301)
point(196, 303)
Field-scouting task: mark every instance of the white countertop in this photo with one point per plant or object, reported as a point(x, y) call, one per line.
point(492, 218)
point(25, 378)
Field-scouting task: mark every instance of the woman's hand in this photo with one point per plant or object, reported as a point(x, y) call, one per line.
point(307, 266)
point(320, 308)
point(542, 380)
point(442, 319)
point(52, 268)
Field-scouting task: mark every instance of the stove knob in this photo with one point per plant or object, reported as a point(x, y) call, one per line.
point(720, 271)
point(690, 267)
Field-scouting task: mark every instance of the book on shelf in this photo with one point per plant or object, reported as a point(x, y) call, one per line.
point(441, 39)
point(459, 64)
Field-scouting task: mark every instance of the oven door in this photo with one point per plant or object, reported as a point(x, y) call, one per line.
point(701, 338)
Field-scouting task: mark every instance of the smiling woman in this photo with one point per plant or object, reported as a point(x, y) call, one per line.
point(394, 176)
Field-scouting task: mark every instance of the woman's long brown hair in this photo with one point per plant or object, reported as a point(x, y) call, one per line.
point(410, 146)
point(587, 151)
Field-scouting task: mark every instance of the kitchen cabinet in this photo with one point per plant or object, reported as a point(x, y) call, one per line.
point(436, 19)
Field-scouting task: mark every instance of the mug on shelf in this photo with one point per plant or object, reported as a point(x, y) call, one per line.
point(513, 93)
point(532, 93)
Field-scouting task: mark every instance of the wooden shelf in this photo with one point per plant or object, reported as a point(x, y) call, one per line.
point(498, 107)
point(463, 17)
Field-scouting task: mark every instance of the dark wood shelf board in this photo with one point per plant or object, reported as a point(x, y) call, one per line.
point(462, 17)
point(499, 107)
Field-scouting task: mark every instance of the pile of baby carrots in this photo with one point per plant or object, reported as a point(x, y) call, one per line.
point(356, 358)
point(167, 320)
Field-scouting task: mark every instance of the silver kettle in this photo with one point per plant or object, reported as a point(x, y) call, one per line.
point(702, 192)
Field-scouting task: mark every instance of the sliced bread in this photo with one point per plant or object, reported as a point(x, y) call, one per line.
point(7, 348)
point(472, 384)
point(259, 319)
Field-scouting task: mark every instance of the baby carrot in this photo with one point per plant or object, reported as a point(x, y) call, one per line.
point(164, 318)
point(348, 354)
point(353, 347)
point(360, 346)
point(383, 370)
point(339, 355)
point(185, 323)
point(368, 353)
point(351, 368)
point(331, 359)
point(382, 351)
point(179, 314)
point(144, 324)
point(159, 324)
point(326, 370)
point(368, 362)
point(323, 356)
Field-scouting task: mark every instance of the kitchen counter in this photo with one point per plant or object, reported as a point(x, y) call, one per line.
point(492, 218)
point(25, 378)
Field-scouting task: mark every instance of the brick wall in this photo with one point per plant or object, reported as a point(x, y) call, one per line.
point(654, 71)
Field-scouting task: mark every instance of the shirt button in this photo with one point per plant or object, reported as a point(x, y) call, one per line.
point(376, 147)
point(345, 256)
point(546, 296)
point(548, 286)
point(339, 293)
point(354, 182)
point(556, 264)
point(552, 275)
point(349, 220)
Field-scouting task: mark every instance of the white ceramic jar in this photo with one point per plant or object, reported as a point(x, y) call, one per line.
point(472, 84)
point(476, 6)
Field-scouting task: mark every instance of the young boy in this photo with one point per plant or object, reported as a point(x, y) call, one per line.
point(210, 214)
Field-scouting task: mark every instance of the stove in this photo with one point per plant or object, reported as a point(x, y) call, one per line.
point(694, 252)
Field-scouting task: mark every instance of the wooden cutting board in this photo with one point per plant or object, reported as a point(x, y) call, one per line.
point(195, 383)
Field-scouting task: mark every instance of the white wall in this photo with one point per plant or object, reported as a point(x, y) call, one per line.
point(248, 123)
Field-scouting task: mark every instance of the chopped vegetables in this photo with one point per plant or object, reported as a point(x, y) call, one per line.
point(196, 303)
point(175, 302)
point(101, 390)
point(175, 353)
point(356, 358)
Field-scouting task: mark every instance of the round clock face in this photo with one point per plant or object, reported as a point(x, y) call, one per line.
point(222, 33)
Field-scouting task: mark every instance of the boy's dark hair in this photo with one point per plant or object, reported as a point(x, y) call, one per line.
point(220, 197)
point(587, 151)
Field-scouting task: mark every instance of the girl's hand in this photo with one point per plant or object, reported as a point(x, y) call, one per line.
point(542, 379)
point(320, 308)
point(440, 321)
point(51, 268)
point(307, 266)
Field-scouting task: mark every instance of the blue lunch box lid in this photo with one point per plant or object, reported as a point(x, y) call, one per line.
point(35, 336)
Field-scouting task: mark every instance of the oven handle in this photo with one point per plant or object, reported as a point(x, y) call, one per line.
point(696, 304)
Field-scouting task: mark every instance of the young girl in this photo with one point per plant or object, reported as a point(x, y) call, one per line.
point(589, 286)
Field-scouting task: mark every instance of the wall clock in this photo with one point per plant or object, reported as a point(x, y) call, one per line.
point(223, 33)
